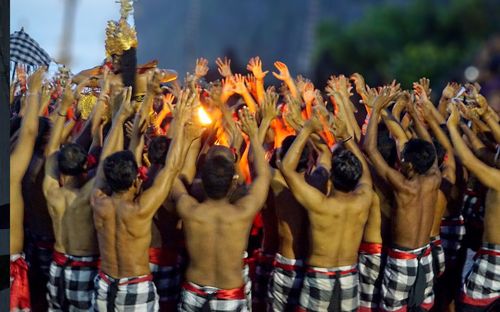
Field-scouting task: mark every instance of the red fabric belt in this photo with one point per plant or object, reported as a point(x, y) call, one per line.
point(476, 302)
point(63, 260)
point(470, 192)
point(162, 256)
point(406, 255)
point(488, 252)
point(19, 288)
point(135, 280)
point(224, 294)
point(371, 248)
point(333, 273)
point(262, 258)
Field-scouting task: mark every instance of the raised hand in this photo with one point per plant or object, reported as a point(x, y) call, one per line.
point(201, 68)
point(314, 123)
point(35, 80)
point(153, 83)
point(359, 83)
point(269, 110)
point(283, 74)
point(45, 98)
point(168, 100)
point(247, 123)
point(239, 84)
point(184, 108)
point(126, 108)
point(309, 94)
point(339, 129)
point(384, 97)
point(224, 67)
point(255, 66)
point(425, 85)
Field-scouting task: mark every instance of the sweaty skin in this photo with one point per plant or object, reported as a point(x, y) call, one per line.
point(217, 231)
point(337, 220)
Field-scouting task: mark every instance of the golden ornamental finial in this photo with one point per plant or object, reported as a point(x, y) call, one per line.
point(120, 36)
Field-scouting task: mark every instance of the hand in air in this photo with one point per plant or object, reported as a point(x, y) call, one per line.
point(255, 66)
point(283, 74)
point(201, 68)
point(247, 122)
point(224, 67)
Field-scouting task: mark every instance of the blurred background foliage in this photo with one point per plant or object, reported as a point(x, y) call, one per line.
point(435, 39)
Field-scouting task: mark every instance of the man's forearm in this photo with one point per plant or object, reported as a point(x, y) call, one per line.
point(495, 128)
point(260, 90)
point(292, 157)
point(370, 143)
point(247, 97)
point(260, 164)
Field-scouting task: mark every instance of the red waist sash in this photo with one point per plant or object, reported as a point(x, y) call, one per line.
point(63, 260)
point(224, 294)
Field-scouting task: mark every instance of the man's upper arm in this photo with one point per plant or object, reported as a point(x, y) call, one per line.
point(51, 178)
point(487, 175)
point(308, 196)
point(256, 196)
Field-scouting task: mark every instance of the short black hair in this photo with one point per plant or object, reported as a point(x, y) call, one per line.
point(217, 174)
point(304, 157)
point(421, 154)
point(120, 170)
point(386, 145)
point(72, 159)
point(346, 170)
point(157, 149)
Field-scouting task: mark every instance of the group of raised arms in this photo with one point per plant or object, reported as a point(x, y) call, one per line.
point(233, 195)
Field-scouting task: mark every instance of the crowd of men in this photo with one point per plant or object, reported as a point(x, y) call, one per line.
point(227, 196)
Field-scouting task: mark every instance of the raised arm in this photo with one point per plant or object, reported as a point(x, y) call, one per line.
point(22, 153)
point(490, 117)
point(370, 145)
point(257, 193)
point(51, 179)
point(151, 199)
point(241, 89)
point(342, 135)
point(306, 195)
point(487, 175)
point(284, 75)
point(255, 66)
point(269, 111)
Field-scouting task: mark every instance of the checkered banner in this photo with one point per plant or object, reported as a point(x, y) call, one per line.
point(25, 50)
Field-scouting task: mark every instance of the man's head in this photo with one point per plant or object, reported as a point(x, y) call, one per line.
point(346, 170)
point(157, 150)
point(418, 156)
point(120, 170)
point(72, 159)
point(304, 157)
point(218, 171)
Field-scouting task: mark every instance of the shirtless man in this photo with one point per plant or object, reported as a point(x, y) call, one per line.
point(481, 290)
point(293, 230)
point(123, 218)
point(337, 221)
point(67, 191)
point(20, 159)
point(409, 263)
point(217, 231)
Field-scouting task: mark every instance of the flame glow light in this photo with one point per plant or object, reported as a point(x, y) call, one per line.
point(203, 117)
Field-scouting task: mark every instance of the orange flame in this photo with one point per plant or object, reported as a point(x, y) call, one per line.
point(203, 117)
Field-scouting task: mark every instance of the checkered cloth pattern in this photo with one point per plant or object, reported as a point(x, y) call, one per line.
point(248, 282)
point(195, 298)
point(333, 289)
point(70, 288)
point(370, 277)
point(19, 285)
point(400, 276)
point(452, 235)
point(167, 280)
point(482, 286)
point(134, 294)
point(438, 262)
point(285, 283)
point(473, 207)
point(25, 50)
point(263, 269)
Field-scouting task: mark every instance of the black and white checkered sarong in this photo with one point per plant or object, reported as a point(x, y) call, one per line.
point(167, 280)
point(482, 285)
point(285, 283)
point(370, 276)
point(70, 287)
point(263, 269)
point(195, 298)
point(401, 285)
point(438, 261)
point(125, 294)
point(452, 235)
point(330, 289)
